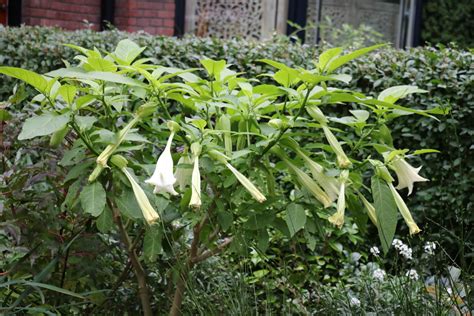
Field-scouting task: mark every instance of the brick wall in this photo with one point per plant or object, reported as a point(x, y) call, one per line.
point(152, 16)
point(68, 14)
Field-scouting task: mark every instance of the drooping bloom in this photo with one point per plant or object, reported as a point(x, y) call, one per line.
point(184, 171)
point(329, 184)
point(257, 195)
point(407, 175)
point(403, 208)
point(195, 201)
point(163, 178)
point(310, 184)
point(338, 218)
point(148, 211)
point(370, 209)
point(342, 159)
point(304, 179)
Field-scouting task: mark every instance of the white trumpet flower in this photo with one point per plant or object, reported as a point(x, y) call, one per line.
point(403, 208)
point(163, 178)
point(338, 218)
point(407, 175)
point(257, 195)
point(148, 211)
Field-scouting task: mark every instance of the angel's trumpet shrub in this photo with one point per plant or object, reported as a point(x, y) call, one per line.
point(341, 157)
point(407, 175)
point(195, 201)
point(338, 218)
point(403, 208)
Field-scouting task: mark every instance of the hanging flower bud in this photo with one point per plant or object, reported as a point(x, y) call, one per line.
point(310, 184)
point(338, 218)
point(403, 208)
point(407, 175)
point(304, 179)
point(329, 184)
point(370, 209)
point(195, 201)
point(184, 171)
point(256, 194)
point(318, 115)
point(163, 178)
point(342, 160)
point(149, 213)
point(103, 158)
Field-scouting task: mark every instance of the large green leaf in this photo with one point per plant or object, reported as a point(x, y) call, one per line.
point(327, 56)
point(392, 94)
point(32, 78)
point(78, 73)
point(214, 67)
point(67, 92)
point(44, 124)
point(341, 60)
point(105, 221)
point(295, 218)
point(152, 243)
point(128, 206)
point(127, 51)
point(385, 210)
point(93, 198)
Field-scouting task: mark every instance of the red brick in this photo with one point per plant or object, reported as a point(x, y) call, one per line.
point(166, 14)
point(168, 22)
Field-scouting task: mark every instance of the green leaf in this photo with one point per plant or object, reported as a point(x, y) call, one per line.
point(44, 124)
point(385, 210)
point(392, 94)
point(295, 218)
point(127, 51)
point(101, 64)
point(339, 61)
point(32, 78)
point(93, 198)
point(85, 122)
point(327, 56)
point(78, 73)
point(67, 92)
point(44, 286)
point(214, 67)
point(128, 206)
point(152, 243)
point(4, 115)
point(425, 151)
point(105, 221)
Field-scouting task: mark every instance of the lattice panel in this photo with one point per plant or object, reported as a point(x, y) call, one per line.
point(227, 18)
point(381, 15)
point(254, 19)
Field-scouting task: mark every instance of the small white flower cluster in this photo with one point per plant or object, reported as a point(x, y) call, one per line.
point(375, 251)
point(430, 248)
point(378, 274)
point(412, 274)
point(354, 302)
point(403, 249)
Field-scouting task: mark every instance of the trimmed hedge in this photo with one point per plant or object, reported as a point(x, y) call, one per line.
point(443, 206)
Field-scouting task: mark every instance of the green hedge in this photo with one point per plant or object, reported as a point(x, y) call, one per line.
point(443, 206)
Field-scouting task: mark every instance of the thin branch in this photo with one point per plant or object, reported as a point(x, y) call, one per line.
point(209, 253)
